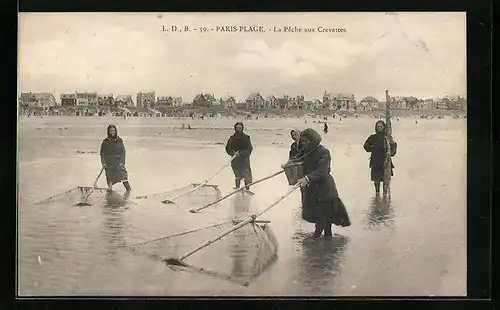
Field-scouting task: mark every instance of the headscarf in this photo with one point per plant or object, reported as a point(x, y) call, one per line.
point(297, 131)
point(116, 132)
point(313, 136)
point(239, 123)
point(381, 122)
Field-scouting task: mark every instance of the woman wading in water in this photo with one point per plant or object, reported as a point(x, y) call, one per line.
point(375, 144)
point(113, 159)
point(321, 204)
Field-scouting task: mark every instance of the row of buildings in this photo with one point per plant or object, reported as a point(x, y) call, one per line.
point(329, 101)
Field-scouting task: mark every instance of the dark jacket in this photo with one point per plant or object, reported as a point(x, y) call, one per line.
point(294, 149)
point(375, 144)
point(241, 142)
point(112, 150)
point(317, 169)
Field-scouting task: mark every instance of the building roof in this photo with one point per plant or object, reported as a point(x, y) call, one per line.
point(253, 95)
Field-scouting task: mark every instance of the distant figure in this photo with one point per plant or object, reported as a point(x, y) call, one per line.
point(294, 148)
point(189, 126)
point(416, 122)
point(239, 144)
point(320, 200)
point(183, 126)
point(113, 159)
point(375, 144)
point(340, 118)
point(325, 128)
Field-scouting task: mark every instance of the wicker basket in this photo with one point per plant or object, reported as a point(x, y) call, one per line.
point(294, 171)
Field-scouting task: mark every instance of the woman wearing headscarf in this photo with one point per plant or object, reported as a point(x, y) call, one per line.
point(321, 204)
point(294, 148)
point(375, 144)
point(239, 144)
point(113, 159)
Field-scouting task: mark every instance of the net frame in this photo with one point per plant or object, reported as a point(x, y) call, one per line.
point(261, 231)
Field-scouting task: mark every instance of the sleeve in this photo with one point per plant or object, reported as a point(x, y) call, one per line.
point(394, 147)
point(122, 159)
point(248, 150)
point(368, 146)
point(103, 152)
point(322, 167)
point(229, 147)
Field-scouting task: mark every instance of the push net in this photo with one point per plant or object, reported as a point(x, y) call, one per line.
point(248, 251)
point(195, 194)
point(76, 195)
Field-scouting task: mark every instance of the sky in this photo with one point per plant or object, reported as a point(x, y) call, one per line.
point(409, 54)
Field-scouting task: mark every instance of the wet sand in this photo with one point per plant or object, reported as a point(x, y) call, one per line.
point(415, 245)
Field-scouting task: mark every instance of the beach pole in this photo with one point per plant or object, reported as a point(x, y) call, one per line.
point(388, 137)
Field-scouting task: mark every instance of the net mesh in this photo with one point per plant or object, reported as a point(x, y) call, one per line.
point(76, 195)
point(191, 194)
point(248, 251)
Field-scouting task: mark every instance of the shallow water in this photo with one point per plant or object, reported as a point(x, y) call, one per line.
point(414, 245)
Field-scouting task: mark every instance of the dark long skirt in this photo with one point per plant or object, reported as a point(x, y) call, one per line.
point(244, 173)
point(377, 174)
point(116, 174)
point(333, 211)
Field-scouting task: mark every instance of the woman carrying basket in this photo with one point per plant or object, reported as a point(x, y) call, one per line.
point(321, 204)
point(113, 159)
point(294, 148)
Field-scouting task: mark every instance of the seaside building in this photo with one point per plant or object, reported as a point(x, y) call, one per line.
point(203, 100)
point(368, 104)
point(37, 99)
point(86, 99)
point(146, 99)
point(124, 101)
point(339, 101)
point(255, 101)
point(228, 102)
point(68, 100)
point(106, 99)
point(271, 102)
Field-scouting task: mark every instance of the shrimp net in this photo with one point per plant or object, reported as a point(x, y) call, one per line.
point(249, 251)
point(196, 194)
point(76, 195)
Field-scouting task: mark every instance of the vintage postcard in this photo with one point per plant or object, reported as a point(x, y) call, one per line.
point(248, 154)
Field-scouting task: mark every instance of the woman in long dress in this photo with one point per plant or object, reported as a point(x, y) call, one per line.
point(321, 203)
point(113, 159)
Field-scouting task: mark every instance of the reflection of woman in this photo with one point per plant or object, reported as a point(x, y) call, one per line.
point(380, 213)
point(321, 263)
point(320, 200)
point(375, 144)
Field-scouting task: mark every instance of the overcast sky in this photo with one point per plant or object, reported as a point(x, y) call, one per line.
point(410, 54)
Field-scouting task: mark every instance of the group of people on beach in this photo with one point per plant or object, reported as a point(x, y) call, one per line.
point(321, 203)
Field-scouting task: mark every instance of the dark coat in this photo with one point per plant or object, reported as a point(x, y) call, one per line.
point(112, 151)
point(294, 148)
point(112, 155)
point(320, 199)
point(241, 142)
point(375, 144)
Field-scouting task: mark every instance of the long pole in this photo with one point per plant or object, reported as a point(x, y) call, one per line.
point(171, 200)
point(178, 261)
point(387, 159)
point(235, 191)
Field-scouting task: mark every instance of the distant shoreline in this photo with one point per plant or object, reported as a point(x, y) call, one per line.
point(205, 112)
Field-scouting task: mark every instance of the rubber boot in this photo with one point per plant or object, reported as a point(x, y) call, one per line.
point(127, 186)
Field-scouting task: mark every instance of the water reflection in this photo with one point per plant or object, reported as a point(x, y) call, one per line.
point(380, 214)
point(114, 223)
point(321, 262)
point(240, 241)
